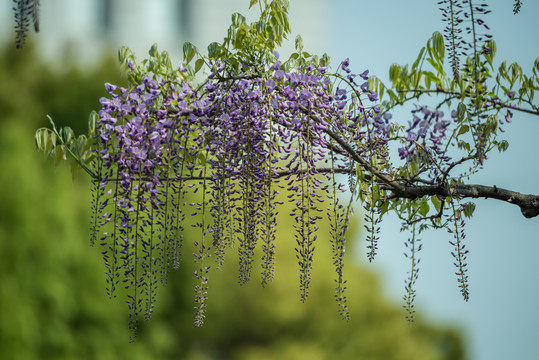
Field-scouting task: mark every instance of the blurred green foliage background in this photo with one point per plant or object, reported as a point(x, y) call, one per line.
point(52, 299)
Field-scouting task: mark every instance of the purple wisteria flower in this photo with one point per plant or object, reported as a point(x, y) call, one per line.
point(425, 137)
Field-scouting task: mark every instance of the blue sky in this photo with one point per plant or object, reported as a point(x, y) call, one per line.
point(501, 320)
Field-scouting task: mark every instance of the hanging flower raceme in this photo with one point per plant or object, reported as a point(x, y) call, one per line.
point(425, 138)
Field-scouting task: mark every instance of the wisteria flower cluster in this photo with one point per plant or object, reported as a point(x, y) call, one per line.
point(425, 141)
point(223, 151)
point(233, 144)
point(240, 140)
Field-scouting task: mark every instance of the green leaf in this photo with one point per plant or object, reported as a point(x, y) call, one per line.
point(202, 158)
point(360, 175)
point(165, 60)
point(364, 191)
point(381, 89)
point(419, 57)
point(50, 143)
point(153, 51)
point(438, 46)
point(469, 209)
point(80, 145)
point(59, 155)
point(463, 130)
point(375, 195)
point(384, 208)
point(92, 120)
point(503, 69)
point(239, 39)
point(490, 55)
point(437, 203)
point(464, 145)
point(153, 65)
point(491, 125)
point(214, 50)
point(427, 83)
point(277, 19)
point(325, 60)
point(413, 168)
point(299, 43)
point(234, 63)
point(461, 111)
point(238, 19)
point(189, 51)
point(253, 3)
point(437, 66)
point(430, 75)
point(52, 123)
point(394, 72)
point(124, 53)
point(424, 209)
point(516, 72)
point(68, 135)
point(41, 138)
point(261, 27)
point(198, 64)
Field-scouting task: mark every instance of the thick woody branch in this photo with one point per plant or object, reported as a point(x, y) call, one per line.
point(528, 203)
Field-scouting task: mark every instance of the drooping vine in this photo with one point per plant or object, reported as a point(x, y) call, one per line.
point(26, 13)
point(516, 6)
point(413, 247)
point(452, 13)
point(460, 253)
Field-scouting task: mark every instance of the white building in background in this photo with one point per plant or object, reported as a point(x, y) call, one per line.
point(83, 30)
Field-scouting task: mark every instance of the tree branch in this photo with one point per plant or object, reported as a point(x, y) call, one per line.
point(528, 203)
point(455, 93)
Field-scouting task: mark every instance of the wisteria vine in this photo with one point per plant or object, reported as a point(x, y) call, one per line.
point(225, 151)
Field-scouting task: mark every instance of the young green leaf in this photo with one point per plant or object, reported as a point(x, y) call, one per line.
point(424, 209)
point(153, 51)
point(437, 203)
point(59, 154)
point(461, 111)
point(439, 47)
point(469, 209)
point(463, 130)
point(189, 51)
point(299, 43)
point(238, 20)
point(198, 64)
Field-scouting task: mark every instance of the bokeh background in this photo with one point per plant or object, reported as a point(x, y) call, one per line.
point(52, 298)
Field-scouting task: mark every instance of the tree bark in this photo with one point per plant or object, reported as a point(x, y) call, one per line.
point(528, 203)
